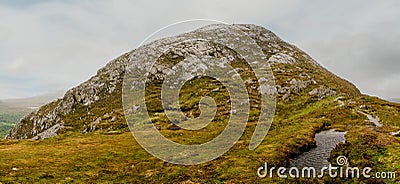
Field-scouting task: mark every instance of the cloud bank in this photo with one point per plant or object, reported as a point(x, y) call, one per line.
point(52, 45)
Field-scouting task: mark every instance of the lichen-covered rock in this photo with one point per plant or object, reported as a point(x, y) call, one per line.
point(51, 132)
point(322, 92)
point(293, 87)
point(281, 58)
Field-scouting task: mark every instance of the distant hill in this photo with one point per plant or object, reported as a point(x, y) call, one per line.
point(395, 100)
point(30, 102)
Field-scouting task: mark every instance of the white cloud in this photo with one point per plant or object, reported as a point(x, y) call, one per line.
point(52, 45)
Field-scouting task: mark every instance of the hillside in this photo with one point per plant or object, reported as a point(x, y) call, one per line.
point(89, 139)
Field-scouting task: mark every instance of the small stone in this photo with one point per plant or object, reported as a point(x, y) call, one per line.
point(397, 134)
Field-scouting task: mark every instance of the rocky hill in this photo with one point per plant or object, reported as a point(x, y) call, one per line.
point(96, 104)
point(83, 137)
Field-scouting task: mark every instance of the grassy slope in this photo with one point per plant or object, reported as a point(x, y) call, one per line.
point(368, 146)
point(97, 157)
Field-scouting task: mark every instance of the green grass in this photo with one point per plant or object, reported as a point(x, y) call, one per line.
point(111, 153)
point(9, 119)
point(95, 157)
point(4, 128)
point(368, 148)
point(99, 157)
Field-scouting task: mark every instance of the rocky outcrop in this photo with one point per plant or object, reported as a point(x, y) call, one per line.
point(51, 132)
point(49, 119)
point(293, 87)
point(322, 92)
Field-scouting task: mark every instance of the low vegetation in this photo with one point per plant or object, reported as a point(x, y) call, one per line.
point(8, 119)
point(97, 147)
point(100, 157)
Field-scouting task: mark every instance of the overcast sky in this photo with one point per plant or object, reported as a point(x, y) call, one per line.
point(47, 46)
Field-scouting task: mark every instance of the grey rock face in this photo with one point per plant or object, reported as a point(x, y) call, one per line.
point(51, 132)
